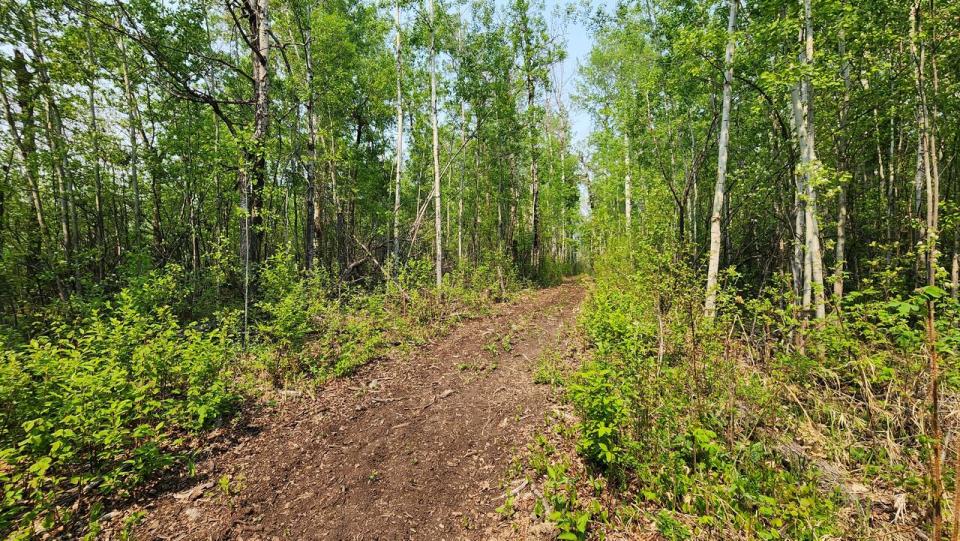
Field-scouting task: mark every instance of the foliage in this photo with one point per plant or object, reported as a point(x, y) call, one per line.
point(102, 403)
point(750, 423)
point(96, 408)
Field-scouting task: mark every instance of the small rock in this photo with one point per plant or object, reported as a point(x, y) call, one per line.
point(192, 513)
point(446, 393)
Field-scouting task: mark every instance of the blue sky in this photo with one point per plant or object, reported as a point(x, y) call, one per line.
point(579, 41)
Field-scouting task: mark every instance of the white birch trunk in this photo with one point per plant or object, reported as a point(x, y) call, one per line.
point(713, 267)
point(437, 206)
point(399, 168)
point(627, 184)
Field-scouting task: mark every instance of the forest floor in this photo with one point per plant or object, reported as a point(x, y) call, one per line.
point(414, 447)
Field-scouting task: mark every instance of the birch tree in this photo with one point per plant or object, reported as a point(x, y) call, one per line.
point(719, 190)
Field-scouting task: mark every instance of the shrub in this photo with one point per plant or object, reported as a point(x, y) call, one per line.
point(662, 408)
point(98, 407)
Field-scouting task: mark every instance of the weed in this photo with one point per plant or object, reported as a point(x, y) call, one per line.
point(506, 510)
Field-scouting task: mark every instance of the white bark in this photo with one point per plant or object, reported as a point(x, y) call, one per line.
point(627, 183)
point(955, 271)
point(713, 267)
point(802, 105)
point(399, 168)
point(840, 256)
point(463, 161)
point(437, 206)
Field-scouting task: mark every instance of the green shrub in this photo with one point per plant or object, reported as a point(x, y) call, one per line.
point(599, 398)
point(661, 402)
point(284, 319)
point(96, 408)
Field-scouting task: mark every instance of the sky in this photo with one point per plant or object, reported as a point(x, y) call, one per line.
point(579, 41)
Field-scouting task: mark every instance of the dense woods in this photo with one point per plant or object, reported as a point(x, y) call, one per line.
point(216, 136)
point(798, 162)
point(202, 201)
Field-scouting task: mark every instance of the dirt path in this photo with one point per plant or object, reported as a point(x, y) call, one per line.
point(413, 448)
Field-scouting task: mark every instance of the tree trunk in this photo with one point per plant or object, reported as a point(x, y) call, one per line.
point(25, 138)
point(840, 257)
point(463, 173)
point(257, 154)
point(26, 144)
point(99, 230)
point(399, 167)
point(955, 275)
point(931, 173)
point(627, 183)
point(719, 194)
point(437, 206)
point(310, 224)
point(56, 141)
point(132, 136)
point(802, 106)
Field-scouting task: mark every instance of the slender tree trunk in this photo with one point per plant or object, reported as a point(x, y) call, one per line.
point(132, 137)
point(56, 141)
point(841, 244)
point(25, 141)
point(627, 184)
point(928, 146)
point(257, 15)
point(99, 230)
point(437, 206)
point(25, 137)
point(463, 173)
point(534, 151)
point(802, 106)
point(253, 174)
point(955, 281)
point(813, 222)
point(719, 194)
point(840, 257)
point(399, 165)
point(310, 225)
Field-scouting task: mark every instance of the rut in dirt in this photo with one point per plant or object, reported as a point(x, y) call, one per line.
point(414, 448)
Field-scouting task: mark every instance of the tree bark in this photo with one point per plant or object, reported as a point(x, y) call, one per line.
point(132, 114)
point(928, 146)
point(840, 257)
point(802, 106)
point(257, 158)
point(437, 206)
point(463, 173)
point(310, 224)
point(99, 230)
point(719, 193)
point(399, 165)
point(57, 144)
point(627, 183)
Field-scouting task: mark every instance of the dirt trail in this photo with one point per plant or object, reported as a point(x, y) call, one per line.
point(413, 448)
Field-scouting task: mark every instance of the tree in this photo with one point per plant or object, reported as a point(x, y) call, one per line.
point(718, 196)
point(438, 217)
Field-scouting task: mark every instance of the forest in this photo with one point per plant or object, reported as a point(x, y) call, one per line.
point(480, 269)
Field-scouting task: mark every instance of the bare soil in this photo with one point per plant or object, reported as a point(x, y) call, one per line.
point(415, 447)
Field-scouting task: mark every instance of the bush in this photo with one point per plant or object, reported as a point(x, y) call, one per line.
point(672, 419)
point(96, 408)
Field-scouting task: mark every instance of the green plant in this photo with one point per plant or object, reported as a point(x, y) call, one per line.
point(101, 406)
point(562, 506)
point(506, 509)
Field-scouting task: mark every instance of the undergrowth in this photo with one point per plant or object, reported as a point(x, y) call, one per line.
point(759, 425)
point(111, 393)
